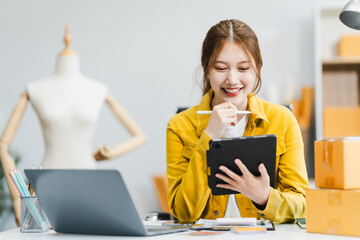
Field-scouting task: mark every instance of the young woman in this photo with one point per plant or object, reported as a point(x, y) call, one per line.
point(231, 62)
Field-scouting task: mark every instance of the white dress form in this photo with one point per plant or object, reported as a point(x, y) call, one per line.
point(68, 105)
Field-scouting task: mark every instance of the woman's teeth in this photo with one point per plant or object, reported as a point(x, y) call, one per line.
point(232, 90)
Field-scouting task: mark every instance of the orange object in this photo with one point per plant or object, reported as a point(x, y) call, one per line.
point(302, 109)
point(341, 121)
point(349, 46)
point(307, 94)
point(337, 164)
point(161, 185)
point(248, 229)
point(333, 211)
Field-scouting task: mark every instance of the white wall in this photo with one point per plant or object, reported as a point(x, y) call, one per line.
point(147, 53)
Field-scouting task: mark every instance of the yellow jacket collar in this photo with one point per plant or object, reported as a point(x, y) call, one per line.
point(205, 105)
point(255, 106)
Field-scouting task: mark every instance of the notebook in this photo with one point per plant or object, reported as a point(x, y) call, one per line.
point(90, 202)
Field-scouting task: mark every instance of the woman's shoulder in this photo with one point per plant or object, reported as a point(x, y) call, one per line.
point(269, 106)
point(184, 119)
point(275, 111)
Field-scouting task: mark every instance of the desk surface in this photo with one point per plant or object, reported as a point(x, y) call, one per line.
point(282, 232)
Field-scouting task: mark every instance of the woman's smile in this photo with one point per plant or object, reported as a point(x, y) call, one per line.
point(232, 92)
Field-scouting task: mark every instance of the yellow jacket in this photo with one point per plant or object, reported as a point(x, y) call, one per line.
point(189, 196)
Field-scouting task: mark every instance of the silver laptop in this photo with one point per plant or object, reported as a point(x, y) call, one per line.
point(90, 202)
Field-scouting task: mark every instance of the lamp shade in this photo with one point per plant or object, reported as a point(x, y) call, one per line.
point(350, 15)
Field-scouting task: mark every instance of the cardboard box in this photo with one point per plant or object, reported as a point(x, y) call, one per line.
point(349, 46)
point(341, 122)
point(337, 163)
point(333, 211)
point(340, 88)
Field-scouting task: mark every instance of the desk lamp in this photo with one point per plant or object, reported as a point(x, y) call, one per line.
point(350, 15)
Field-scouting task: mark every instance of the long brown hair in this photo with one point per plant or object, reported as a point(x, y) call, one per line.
point(230, 30)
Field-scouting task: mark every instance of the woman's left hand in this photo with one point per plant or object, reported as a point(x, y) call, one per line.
point(103, 153)
point(255, 188)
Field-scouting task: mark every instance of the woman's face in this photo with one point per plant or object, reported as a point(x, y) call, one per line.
point(232, 77)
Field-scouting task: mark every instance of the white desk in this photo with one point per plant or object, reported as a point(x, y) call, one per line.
point(282, 232)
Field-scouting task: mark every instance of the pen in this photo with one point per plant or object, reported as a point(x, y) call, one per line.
point(22, 182)
point(13, 180)
point(31, 189)
point(210, 112)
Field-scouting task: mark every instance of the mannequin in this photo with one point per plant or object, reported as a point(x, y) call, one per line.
point(67, 105)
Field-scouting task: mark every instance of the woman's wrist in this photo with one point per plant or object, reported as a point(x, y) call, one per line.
point(261, 203)
point(209, 133)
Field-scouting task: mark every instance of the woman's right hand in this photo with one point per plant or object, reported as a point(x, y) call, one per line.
point(223, 115)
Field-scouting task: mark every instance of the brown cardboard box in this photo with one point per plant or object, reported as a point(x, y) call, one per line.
point(349, 46)
point(340, 88)
point(333, 211)
point(337, 164)
point(341, 122)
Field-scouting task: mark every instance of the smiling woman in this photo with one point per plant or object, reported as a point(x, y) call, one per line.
point(232, 77)
point(231, 62)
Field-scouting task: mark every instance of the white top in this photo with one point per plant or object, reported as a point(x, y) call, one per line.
point(232, 209)
point(68, 105)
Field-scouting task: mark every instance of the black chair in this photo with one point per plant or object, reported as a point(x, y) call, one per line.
point(180, 109)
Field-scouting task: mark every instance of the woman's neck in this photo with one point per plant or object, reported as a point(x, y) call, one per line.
point(67, 66)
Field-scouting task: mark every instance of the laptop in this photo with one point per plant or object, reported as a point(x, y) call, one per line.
point(90, 202)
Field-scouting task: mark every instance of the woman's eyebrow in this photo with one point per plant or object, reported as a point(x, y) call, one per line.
point(219, 61)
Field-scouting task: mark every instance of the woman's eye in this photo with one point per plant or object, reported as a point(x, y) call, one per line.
point(220, 68)
point(244, 69)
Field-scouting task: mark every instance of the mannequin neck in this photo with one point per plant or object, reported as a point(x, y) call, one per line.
point(67, 66)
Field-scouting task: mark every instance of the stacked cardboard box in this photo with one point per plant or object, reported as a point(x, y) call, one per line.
point(349, 46)
point(341, 103)
point(335, 206)
point(340, 88)
point(341, 121)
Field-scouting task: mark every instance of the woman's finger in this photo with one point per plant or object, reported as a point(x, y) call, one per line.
point(225, 179)
point(230, 173)
point(225, 107)
point(227, 186)
point(263, 172)
point(229, 121)
point(243, 168)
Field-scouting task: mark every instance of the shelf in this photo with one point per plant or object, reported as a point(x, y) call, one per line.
point(341, 60)
point(337, 79)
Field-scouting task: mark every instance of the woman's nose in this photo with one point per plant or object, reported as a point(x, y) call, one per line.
point(231, 77)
